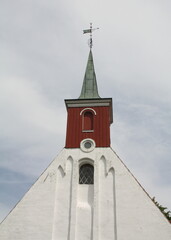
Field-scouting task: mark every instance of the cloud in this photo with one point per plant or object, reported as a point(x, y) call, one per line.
point(28, 120)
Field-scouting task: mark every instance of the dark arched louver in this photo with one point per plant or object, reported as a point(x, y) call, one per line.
point(86, 174)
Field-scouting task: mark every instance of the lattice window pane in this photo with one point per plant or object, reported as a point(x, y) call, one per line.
point(86, 174)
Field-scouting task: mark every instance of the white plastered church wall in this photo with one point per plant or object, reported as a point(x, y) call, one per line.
point(115, 208)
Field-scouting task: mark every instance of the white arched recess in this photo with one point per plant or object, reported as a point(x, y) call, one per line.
point(84, 206)
point(63, 195)
point(106, 203)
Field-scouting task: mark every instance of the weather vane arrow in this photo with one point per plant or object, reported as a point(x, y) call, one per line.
point(90, 30)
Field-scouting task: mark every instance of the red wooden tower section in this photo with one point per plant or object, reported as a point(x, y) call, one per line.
point(89, 116)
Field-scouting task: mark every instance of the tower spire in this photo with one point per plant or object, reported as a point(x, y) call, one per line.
point(89, 88)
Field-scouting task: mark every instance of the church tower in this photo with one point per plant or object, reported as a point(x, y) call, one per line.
point(87, 193)
point(89, 116)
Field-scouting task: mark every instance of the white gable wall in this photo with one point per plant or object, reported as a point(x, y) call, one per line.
point(114, 208)
point(32, 217)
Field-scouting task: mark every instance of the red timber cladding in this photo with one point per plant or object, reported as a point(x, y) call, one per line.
point(101, 125)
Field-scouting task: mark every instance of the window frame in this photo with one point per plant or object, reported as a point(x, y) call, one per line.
point(82, 113)
point(81, 166)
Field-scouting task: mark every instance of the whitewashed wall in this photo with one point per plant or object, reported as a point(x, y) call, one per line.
point(58, 208)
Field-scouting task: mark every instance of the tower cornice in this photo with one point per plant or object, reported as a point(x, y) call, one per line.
point(95, 102)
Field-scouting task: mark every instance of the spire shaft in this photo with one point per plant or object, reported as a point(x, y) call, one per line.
point(89, 88)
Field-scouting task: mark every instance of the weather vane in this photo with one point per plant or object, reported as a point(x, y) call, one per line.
point(90, 30)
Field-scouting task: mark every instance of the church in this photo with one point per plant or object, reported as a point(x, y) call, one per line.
point(87, 192)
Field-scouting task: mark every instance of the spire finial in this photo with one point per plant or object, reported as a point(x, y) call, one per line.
point(90, 30)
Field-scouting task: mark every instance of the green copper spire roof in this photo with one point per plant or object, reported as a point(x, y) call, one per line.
point(89, 88)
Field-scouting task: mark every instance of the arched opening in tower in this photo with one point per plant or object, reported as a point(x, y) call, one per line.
point(88, 121)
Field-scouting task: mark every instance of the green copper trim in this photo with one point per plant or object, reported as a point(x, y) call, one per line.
point(89, 88)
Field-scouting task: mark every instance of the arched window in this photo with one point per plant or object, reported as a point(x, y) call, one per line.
point(86, 174)
point(88, 121)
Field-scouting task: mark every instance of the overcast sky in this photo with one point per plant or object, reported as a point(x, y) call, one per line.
point(43, 55)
